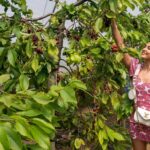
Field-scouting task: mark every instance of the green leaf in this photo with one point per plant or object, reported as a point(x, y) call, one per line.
point(49, 67)
point(43, 124)
point(3, 41)
point(68, 96)
point(104, 98)
point(119, 4)
point(24, 82)
point(78, 143)
point(98, 24)
point(102, 136)
point(2, 147)
point(22, 126)
point(12, 56)
point(14, 139)
point(16, 31)
point(4, 78)
point(110, 133)
point(35, 63)
point(1, 50)
point(129, 4)
point(23, 5)
point(118, 136)
point(110, 14)
point(42, 98)
point(3, 25)
point(87, 11)
point(115, 100)
point(41, 77)
point(100, 123)
point(85, 41)
point(113, 4)
point(114, 135)
point(119, 57)
point(123, 73)
point(30, 113)
point(7, 99)
point(29, 50)
point(95, 51)
point(77, 84)
point(133, 51)
point(3, 139)
point(40, 137)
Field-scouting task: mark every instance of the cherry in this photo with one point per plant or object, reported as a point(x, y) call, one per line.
point(35, 40)
point(57, 41)
point(39, 50)
point(114, 48)
point(76, 37)
point(29, 31)
point(107, 21)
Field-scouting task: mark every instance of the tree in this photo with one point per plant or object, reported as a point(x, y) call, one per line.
point(39, 104)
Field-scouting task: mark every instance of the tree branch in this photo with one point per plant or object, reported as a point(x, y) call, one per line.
point(65, 69)
point(80, 2)
point(67, 64)
point(36, 19)
point(52, 12)
point(49, 14)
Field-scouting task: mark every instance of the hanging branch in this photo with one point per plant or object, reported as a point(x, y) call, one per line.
point(100, 34)
point(65, 69)
point(60, 39)
point(49, 14)
point(67, 64)
point(80, 2)
point(36, 19)
point(52, 11)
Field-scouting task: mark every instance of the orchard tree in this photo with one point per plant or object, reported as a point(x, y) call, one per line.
point(83, 105)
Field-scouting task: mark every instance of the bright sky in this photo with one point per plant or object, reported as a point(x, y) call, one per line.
point(41, 7)
point(45, 6)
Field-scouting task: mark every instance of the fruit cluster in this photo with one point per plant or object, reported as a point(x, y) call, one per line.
point(114, 48)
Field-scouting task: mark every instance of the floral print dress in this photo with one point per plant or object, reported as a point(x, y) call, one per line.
point(139, 131)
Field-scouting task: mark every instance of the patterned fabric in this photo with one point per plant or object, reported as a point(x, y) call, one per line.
point(139, 131)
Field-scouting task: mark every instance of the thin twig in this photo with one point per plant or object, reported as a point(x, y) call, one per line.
point(104, 37)
point(66, 64)
point(65, 68)
point(80, 2)
point(49, 14)
point(52, 12)
point(38, 18)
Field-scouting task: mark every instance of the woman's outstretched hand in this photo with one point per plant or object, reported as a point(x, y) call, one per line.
point(114, 48)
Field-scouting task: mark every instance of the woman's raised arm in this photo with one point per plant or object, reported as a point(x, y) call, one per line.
point(119, 41)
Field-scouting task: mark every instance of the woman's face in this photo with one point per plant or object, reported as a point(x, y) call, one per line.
point(146, 52)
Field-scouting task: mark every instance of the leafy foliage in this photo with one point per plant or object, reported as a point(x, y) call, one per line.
point(82, 106)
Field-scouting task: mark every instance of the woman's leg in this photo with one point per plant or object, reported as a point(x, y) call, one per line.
point(138, 144)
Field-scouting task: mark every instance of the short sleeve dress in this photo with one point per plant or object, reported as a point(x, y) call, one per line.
point(139, 131)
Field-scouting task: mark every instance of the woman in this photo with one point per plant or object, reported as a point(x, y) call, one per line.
point(140, 134)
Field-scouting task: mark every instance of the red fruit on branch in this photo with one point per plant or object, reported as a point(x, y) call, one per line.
point(40, 30)
point(76, 37)
point(35, 40)
point(39, 50)
point(68, 34)
point(57, 40)
point(114, 48)
point(107, 21)
point(29, 31)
